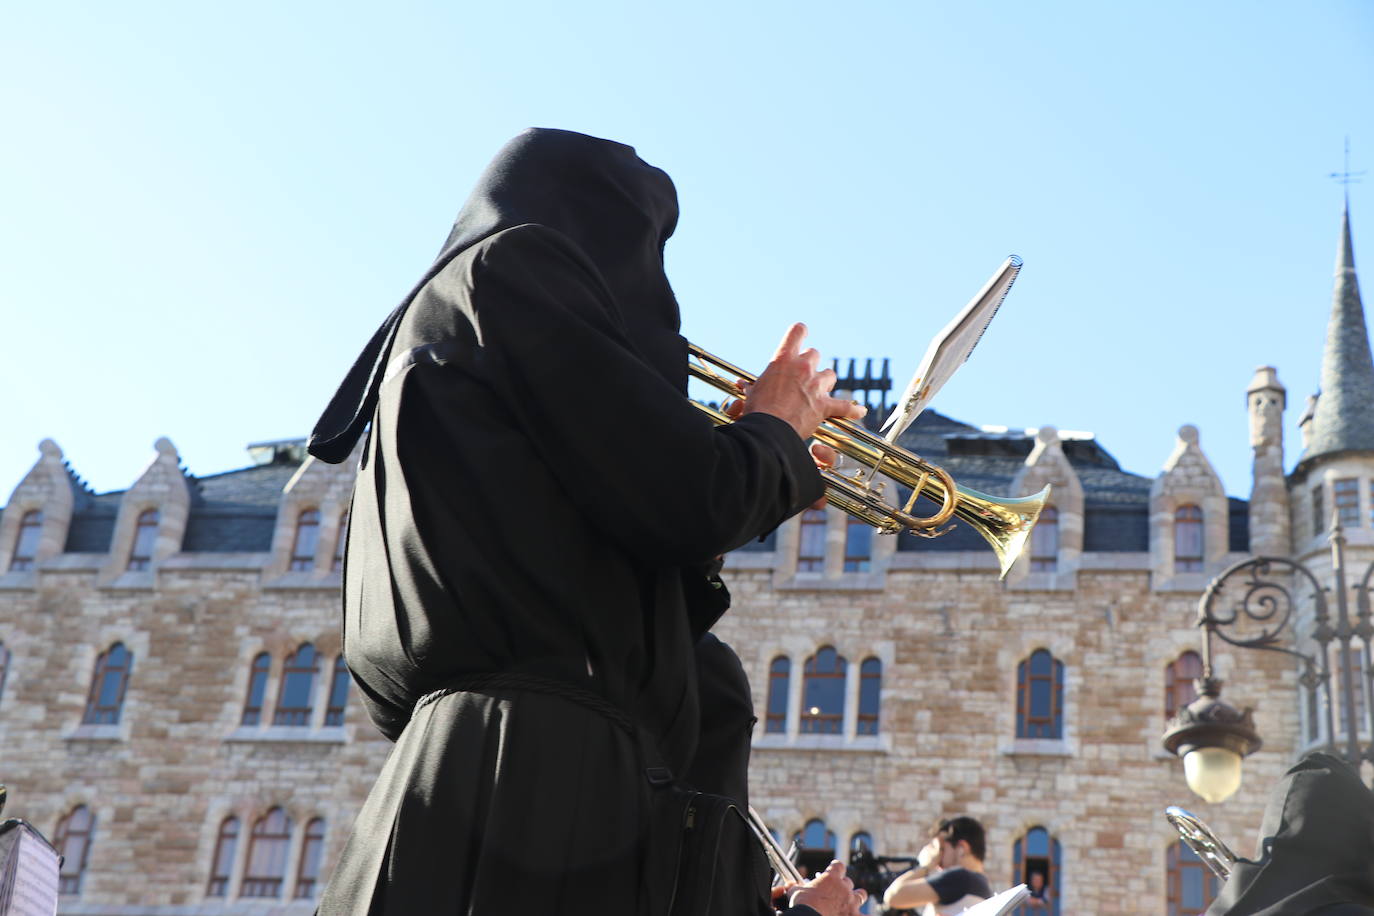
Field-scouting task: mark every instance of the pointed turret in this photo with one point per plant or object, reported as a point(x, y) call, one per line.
point(1343, 420)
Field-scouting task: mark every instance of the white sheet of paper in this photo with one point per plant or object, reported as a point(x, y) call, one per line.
point(998, 904)
point(950, 348)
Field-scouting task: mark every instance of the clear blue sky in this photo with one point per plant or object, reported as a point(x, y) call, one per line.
point(205, 210)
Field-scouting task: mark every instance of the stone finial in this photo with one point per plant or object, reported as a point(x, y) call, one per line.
point(49, 449)
point(1187, 434)
point(1047, 435)
point(165, 447)
point(1266, 379)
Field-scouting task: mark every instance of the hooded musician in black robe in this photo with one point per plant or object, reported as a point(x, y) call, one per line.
point(536, 512)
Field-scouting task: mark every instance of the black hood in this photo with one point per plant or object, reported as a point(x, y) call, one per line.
point(616, 208)
point(1316, 847)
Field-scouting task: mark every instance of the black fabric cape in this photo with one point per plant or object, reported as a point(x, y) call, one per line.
point(1316, 848)
point(536, 497)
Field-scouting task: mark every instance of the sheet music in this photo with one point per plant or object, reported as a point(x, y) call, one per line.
point(950, 348)
point(999, 904)
point(28, 872)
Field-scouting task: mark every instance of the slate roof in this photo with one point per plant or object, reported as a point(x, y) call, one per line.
point(1344, 416)
point(233, 512)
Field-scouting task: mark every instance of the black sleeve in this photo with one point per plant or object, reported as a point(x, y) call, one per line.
point(956, 883)
point(649, 469)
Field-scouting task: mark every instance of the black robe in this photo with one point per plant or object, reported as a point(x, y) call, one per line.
point(536, 498)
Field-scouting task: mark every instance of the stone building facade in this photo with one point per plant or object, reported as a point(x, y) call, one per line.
point(173, 717)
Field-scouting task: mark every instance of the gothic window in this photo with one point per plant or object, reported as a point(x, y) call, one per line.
point(4, 668)
point(308, 871)
point(257, 689)
point(72, 841)
point(340, 542)
point(338, 693)
point(1035, 863)
point(295, 700)
point(306, 540)
point(1178, 682)
point(145, 537)
point(267, 850)
point(1319, 519)
point(1192, 885)
point(823, 693)
point(811, 544)
point(858, 545)
point(26, 546)
point(1045, 541)
point(816, 836)
point(870, 689)
point(1188, 539)
point(222, 867)
point(779, 680)
point(1345, 494)
point(108, 684)
point(1040, 696)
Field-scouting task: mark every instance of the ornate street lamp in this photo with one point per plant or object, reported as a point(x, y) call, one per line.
point(1213, 737)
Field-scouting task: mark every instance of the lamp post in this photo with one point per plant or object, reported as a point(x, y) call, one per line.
point(1211, 736)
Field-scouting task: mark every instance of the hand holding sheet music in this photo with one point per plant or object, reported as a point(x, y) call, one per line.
point(949, 348)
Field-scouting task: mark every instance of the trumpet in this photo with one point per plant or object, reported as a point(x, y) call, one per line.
point(1208, 846)
point(1005, 523)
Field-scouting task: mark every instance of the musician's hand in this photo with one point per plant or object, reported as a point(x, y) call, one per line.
point(830, 893)
point(792, 389)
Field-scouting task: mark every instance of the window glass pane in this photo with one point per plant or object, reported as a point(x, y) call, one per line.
point(1346, 493)
point(145, 536)
point(858, 546)
point(811, 552)
point(1319, 519)
point(1041, 662)
point(1040, 699)
point(779, 676)
point(1037, 842)
point(307, 539)
point(1045, 541)
point(870, 689)
point(30, 527)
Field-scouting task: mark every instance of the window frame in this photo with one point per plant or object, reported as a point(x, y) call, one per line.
point(339, 675)
point(297, 716)
point(779, 688)
point(29, 535)
point(1179, 689)
point(219, 882)
point(312, 843)
point(1027, 724)
point(259, 673)
point(826, 722)
point(144, 543)
point(811, 526)
point(307, 530)
point(97, 714)
point(1180, 857)
point(265, 886)
point(867, 724)
point(1043, 559)
point(69, 884)
point(1189, 522)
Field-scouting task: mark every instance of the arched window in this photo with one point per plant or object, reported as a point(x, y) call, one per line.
point(1192, 885)
point(108, 684)
point(1040, 696)
point(870, 690)
point(811, 543)
point(816, 836)
point(257, 689)
point(1035, 863)
point(295, 700)
point(26, 546)
point(1188, 539)
point(308, 871)
point(1044, 543)
point(339, 543)
point(4, 668)
point(338, 693)
point(860, 841)
point(1178, 682)
point(267, 850)
point(858, 545)
point(779, 681)
point(222, 866)
point(72, 840)
point(145, 538)
point(306, 540)
point(823, 693)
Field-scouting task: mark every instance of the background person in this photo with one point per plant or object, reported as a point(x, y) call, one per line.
point(949, 878)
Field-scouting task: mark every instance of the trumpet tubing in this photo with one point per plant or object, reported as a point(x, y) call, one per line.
point(1005, 523)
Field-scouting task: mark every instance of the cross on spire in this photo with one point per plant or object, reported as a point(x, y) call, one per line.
point(1347, 177)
